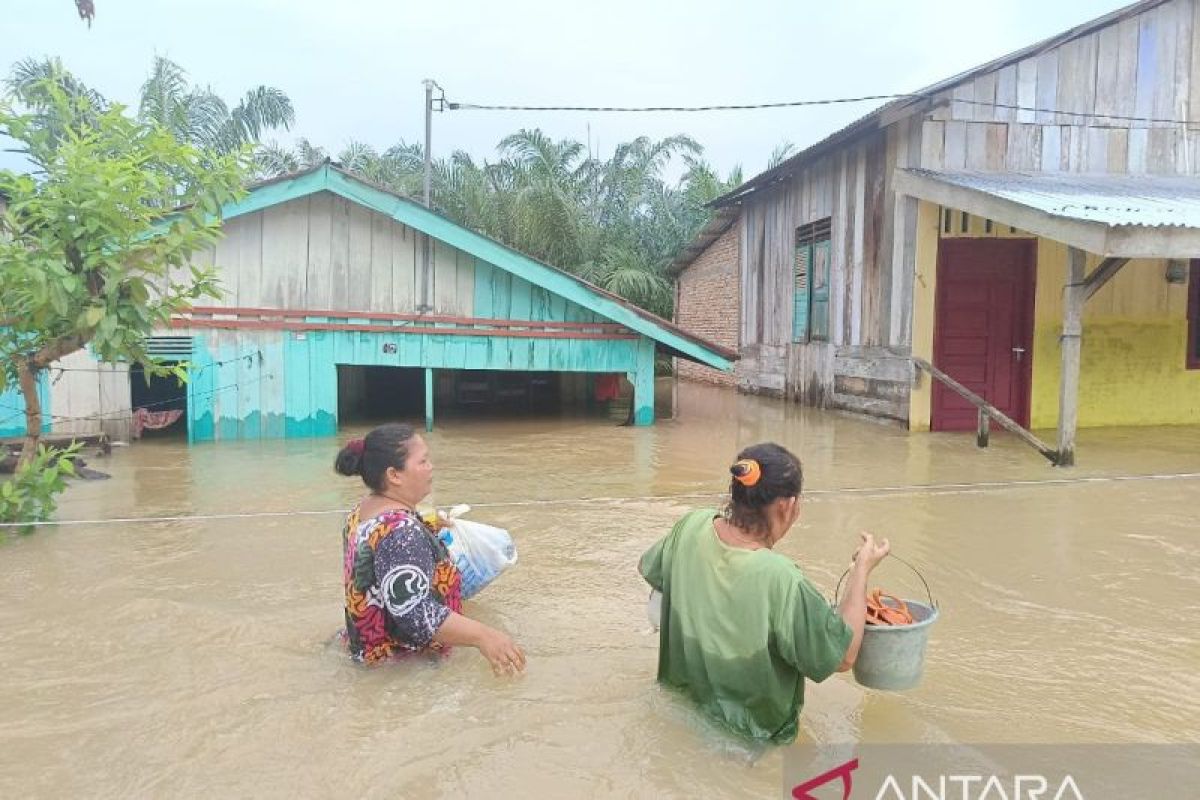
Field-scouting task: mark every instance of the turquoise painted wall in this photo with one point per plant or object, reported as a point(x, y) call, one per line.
point(502, 295)
point(266, 384)
point(12, 409)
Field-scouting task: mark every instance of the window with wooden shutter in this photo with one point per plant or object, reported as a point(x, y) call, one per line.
point(800, 294)
point(810, 316)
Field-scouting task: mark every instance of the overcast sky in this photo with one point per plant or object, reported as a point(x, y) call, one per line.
point(354, 68)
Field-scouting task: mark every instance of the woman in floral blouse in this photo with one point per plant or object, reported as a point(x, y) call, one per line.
point(402, 590)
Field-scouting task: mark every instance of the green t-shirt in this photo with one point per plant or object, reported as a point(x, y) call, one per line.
point(741, 629)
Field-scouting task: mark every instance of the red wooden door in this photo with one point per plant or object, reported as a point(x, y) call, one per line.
point(983, 334)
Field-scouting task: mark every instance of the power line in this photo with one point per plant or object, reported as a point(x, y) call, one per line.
point(637, 109)
point(466, 106)
point(869, 492)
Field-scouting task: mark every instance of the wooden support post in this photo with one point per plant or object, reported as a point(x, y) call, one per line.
point(984, 431)
point(643, 383)
point(1074, 296)
point(428, 399)
point(1102, 275)
point(1003, 420)
point(675, 391)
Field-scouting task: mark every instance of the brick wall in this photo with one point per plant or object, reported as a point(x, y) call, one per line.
point(709, 302)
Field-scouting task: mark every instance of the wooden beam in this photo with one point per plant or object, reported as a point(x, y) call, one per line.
point(1101, 275)
point(430, 319)
point(1074, 296)
point(983, 432)
point(284, 325)
point(1006, 422)
point(428, 399)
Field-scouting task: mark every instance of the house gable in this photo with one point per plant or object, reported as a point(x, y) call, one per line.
point(465, 263)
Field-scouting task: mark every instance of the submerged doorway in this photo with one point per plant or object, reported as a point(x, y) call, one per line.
point(380, 394)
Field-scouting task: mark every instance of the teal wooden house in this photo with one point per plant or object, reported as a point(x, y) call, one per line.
point(332, 304)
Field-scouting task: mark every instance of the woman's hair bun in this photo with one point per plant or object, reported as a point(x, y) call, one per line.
point(350, 459)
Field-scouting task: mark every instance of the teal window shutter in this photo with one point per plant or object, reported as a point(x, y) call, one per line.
point(810, 312)
point(819, 310)
point(800, 304)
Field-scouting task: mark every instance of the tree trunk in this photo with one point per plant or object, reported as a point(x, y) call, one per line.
point(33, 411)
point(27, 372)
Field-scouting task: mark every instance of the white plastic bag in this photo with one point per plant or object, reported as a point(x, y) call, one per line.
point(654, 609)
point(479, 552)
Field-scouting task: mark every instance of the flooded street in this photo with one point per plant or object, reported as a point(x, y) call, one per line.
point(191, 657)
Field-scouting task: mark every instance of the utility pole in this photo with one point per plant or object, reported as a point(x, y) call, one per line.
point(426, 303)
point(429, 85)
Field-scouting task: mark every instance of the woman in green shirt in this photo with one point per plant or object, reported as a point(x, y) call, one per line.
point(741, 625)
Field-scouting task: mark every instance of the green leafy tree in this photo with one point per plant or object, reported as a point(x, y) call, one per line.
point(95, 243)
point(31, 494)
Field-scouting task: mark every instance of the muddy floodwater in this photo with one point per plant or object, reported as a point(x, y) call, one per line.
point(191, 658)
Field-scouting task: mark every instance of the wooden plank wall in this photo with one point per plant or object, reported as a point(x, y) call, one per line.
point(1143, 67)
point(324, 252)
point(12, 408)
point(870, 305)
point(1139, 67)
point(272, 384)
point(88, 396)
point(1024, 147)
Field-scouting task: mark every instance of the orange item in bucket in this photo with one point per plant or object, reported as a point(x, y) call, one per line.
point(887, 609)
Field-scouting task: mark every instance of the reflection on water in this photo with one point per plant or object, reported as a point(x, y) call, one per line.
point(192, 658)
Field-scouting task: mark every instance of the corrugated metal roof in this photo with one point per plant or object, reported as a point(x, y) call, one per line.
point(1113, 200)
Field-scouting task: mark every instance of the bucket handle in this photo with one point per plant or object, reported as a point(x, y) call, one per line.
point(933, 603)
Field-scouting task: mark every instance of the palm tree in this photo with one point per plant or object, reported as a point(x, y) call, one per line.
point(627, 272)
point(198, 116)
point(272, 159)
point(782, 152)
point(58, 100)
point(194, 115)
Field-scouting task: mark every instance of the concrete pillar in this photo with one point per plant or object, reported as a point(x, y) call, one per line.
point(1074, 295)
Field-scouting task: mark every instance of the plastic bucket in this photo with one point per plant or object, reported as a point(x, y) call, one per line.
point(892, 657)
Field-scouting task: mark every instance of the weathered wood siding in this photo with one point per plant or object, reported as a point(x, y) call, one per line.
point(324, 252)
point(89, 396)
point(251, 384)
point(869, 299)
point(1107, 102)
point(1120, 93)
point(12, 408)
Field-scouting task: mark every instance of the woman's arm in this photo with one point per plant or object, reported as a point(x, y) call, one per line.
point(499, 649)
point(853, 606)
point(405, 563)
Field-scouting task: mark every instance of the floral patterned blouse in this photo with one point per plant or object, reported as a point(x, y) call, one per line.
point(400, 585)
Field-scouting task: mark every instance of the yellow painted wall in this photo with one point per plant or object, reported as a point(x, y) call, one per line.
point(1133, 370)
point(1134, 336)
point(924, 288)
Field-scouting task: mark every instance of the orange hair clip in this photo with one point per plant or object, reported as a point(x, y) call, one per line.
point(747, 472)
